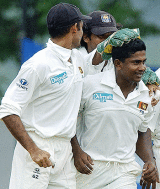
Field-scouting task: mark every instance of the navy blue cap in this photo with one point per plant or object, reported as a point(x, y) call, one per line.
point(102, 22)
point(63, 15)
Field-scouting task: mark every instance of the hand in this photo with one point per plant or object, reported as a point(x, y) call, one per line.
point(154, 101)
point(149, 175)
point(83, 163)
point(117, 39)
point(41, 157)
point(153, 89)
point(150, 77)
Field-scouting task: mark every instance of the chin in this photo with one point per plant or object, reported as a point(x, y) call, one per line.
point(137, 80)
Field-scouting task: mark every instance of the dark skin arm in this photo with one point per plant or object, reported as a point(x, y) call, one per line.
point(144, 151)
point(97, 59)
point(15, 126)
point(82, 160)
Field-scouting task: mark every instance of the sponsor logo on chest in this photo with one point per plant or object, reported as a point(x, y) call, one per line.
point(102, 97)
point(59, 78)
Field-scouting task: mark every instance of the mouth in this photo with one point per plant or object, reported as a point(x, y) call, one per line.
point(139, 74)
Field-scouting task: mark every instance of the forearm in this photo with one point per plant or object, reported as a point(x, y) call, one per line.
point(82, 160)
point(15, 126)
point(97, 59)
point(144, 146)
point(75, 146)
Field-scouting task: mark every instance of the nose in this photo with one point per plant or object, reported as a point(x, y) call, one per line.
point(142, 67)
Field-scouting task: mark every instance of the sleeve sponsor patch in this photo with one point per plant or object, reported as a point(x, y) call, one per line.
point(23, 84)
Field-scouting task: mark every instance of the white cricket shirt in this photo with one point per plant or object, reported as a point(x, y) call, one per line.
point(111, 121)
point(93, 69)
point(155, 122)
point(47, 91)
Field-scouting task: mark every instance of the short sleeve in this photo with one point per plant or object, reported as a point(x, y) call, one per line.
point(20, 91)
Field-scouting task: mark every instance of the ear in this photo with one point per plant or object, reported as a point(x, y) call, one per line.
point(74, 28)
point(118, 64)
point(85, 38)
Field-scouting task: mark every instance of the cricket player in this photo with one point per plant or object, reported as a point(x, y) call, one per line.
point(117, 111)
point(40, 106)
point(155, 128)
point(96, 30)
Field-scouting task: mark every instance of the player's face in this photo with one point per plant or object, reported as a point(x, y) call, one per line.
point(95, 40)
point(78, 36)
point(132, 68)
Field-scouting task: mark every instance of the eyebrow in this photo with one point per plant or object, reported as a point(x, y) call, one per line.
point(137, 60)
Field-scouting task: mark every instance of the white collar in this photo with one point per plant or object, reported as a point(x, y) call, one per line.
point(109, 78)
point(63, 53)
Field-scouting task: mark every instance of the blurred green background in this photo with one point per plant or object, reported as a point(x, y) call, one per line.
point(27, 18)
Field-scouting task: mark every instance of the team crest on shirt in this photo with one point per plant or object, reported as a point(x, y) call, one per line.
point(80, 69)
point(106, 18)
point(23, 84)
point(59, 78)
point(142, 105)
point(102, 97)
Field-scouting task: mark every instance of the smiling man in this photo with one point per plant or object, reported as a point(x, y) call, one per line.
point(117, 110)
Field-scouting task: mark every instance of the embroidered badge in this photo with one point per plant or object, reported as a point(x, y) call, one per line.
point(59, 78)
point(102, 97)
point(80, 69)
point(106, 18)
point(142, 105)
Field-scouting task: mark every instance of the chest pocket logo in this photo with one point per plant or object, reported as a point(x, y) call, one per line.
point(102, 97)
point(59, 78)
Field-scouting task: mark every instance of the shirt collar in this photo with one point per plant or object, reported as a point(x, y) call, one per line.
point(63, 53)
point(109, 79)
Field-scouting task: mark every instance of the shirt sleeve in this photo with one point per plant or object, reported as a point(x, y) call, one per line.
point(93, 69)
point(154, 124)
point(147, 120)
point(80, 119)
point(20, 91)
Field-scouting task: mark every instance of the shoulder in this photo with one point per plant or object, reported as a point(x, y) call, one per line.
point(158, 73)
point(83, 51)
point(92, 81)
point(77, 53)
point(39, 63)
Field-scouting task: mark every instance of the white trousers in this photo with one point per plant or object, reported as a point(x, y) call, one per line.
point(156, 151)
point(110, 175)
point(26, 174)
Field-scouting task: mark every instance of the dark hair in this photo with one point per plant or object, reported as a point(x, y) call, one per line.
point(127, 49)
point(87, 31)
point(62, 31)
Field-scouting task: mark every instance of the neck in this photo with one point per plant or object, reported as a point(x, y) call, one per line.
point(125, 85)
point(65, 41)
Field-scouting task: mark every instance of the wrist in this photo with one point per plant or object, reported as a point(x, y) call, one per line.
point(33, 149)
